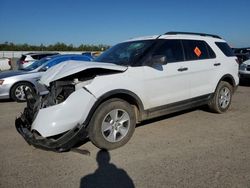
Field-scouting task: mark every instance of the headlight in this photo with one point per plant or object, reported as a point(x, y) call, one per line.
point(1, 82)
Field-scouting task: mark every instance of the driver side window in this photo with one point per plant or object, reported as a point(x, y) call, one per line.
point(172, 49)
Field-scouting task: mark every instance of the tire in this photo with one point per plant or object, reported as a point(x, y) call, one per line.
point(112, 125)
point(17, 91)
point(222, 98)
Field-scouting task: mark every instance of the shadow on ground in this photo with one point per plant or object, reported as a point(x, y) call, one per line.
point(106, 175)
point(172, 115)
point(6, 100)
point(245, 82)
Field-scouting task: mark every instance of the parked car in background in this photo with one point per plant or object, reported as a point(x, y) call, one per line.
point(242, 54)
point(245, 70)
point(27, 59)
point(5, 64)
point(13, 83)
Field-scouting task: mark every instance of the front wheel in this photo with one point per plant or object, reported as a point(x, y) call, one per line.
point(112, 124)
point(222, 98)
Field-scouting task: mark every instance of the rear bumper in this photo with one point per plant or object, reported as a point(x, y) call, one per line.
point(22, 66)
point(63, 143)
point(247, 76)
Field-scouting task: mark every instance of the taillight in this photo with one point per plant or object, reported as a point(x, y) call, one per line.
point(22, 62)
point(237, 61)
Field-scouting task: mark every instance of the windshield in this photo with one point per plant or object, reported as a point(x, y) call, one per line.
point(36, 64)
point(127, 53)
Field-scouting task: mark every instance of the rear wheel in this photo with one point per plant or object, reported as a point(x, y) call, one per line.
point(222, 98)
point(112, 124)
point(17, 91)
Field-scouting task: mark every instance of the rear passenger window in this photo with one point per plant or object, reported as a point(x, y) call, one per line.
point(35, 57)
point(172, 49)
point(225, 49)
point(196, 49)
point(210, 52)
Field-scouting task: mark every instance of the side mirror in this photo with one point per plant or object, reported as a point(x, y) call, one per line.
point(43, 69)
point(159, 59)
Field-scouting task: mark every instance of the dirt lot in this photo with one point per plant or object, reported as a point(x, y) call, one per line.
point(189, 149)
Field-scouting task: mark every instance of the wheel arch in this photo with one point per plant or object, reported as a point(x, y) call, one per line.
point(125, 95)
point(228, 78)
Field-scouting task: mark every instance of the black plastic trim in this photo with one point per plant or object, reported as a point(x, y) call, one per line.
point(177, 106)
point(63, 143)
point(228, 76)
point(153, 112)
point(116, 94)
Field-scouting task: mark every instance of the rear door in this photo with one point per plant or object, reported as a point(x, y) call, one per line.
point(202, 66)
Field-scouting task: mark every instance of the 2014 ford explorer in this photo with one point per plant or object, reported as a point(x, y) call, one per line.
point(133, 81)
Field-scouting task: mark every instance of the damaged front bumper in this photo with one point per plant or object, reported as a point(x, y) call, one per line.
point(63, 143)
point(30, 121)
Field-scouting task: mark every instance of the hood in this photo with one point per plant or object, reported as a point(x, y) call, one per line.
point(71, 67)
point(10, 73)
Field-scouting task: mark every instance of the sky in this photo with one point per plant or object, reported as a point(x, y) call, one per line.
point(109, 22)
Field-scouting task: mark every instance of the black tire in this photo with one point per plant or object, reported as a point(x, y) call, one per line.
point(216, 105)
point(13, 91)
point(102, 117)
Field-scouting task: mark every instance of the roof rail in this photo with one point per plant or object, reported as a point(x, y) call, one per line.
point(190, 33)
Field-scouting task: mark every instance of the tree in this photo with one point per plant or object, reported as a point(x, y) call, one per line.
point(59, 46)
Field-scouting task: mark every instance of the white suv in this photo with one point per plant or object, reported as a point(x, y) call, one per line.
point(133, 81)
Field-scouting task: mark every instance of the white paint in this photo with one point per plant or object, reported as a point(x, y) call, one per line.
point(64, 116)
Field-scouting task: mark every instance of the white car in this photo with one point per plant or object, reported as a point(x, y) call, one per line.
point(29, 58)
point(5, 64)
point(245, 70)
point(133, 81)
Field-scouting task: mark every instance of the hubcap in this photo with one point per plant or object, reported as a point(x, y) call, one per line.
point(224, 97)
point(19, 92)
point(115, 125)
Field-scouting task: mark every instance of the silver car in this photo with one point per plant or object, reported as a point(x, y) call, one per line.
point(13, 83)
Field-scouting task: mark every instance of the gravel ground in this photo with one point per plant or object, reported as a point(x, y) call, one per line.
point(189, 149)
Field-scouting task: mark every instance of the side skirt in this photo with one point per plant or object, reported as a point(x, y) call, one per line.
point(175, 107)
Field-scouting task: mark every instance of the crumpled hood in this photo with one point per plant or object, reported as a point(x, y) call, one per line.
point(70, 67)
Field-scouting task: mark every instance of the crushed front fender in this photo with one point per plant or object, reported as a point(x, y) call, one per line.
point(59, 143)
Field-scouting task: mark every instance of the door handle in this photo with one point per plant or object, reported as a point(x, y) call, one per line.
point(217, 64)
point(182, 69)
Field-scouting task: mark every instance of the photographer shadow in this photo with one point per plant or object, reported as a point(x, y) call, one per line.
point(106, 175)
